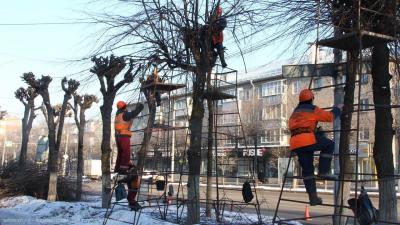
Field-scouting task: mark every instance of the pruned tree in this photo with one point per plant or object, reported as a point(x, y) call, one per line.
point(41, 86)
point(27, 97)
point(81, 104)
point(107, 70)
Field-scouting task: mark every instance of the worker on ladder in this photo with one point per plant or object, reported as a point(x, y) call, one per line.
point(304, 141)
point(123, 122)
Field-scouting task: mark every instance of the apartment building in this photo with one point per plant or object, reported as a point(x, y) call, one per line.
point(265, 100)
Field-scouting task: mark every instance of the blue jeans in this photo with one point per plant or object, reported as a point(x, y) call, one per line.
point(306, 160)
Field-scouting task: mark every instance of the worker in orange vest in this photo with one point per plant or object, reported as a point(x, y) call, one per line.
point(304, 141)
point(218, 36)
point(123, 122)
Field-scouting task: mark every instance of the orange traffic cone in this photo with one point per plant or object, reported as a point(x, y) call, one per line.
point(307, 213)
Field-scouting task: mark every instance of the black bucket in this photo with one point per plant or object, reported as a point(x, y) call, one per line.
point(366, 212)
point(160, 185)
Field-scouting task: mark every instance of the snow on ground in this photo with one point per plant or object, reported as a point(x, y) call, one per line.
point(26, 210)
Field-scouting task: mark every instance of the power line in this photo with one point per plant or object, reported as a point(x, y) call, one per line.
point(47, 23)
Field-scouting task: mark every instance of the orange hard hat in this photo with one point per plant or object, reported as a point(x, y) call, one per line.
point(121, 105)
point(219, 11)
point(306, 95)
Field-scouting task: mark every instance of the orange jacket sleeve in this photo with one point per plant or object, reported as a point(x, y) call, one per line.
point(323, 116)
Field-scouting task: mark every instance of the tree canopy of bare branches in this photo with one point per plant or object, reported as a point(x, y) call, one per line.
point(27, 97)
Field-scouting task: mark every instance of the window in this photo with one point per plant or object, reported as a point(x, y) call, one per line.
point(259, 91)
point(271, 136)
point(364, 104)
point(272, 88)
point(273, 100)
point(260, 114)
point(317, 83)
point(296, 87)
point(230, 92)
point(364, 134)
point(244, 95)
point(364, 78)
point(272, 112)
point(180, 104)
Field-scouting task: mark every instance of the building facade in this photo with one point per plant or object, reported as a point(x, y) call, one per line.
point(265, 100)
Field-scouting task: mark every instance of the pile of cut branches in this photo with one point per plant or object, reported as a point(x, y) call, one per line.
point(33, 181)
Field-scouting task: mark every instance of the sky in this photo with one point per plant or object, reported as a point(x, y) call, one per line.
point(50, 49)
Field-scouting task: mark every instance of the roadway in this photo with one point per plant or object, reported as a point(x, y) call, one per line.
point(268, 200)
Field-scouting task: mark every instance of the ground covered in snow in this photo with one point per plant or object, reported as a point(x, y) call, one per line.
point(26, 210)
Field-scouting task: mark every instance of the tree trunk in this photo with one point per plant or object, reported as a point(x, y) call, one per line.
point(147, 134)
point(80, 166)
point(106, 110)
point(194, 152)
point(383, 154)
point(53, 151)
point(25, 138)
point(209, 151)
point(346, 165)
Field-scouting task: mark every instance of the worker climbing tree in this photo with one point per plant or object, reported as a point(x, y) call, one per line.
point(218, 24)
point(150, 87)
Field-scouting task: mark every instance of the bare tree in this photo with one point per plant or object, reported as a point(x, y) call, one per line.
point(41, 86)
point(81, 104)
point(383, 154)
point(107, 70)
point(27, 97)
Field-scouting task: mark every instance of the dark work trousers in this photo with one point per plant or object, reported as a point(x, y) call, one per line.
point(133, 187)
point(124, 153)
point(306, 159)
point(219, 47)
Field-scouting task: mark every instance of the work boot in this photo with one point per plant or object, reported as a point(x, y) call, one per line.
point(134, 206)
point(314, 199)
point(222, 59)
point(327, 176)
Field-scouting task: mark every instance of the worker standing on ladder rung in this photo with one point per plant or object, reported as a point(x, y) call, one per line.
point(304, 141)
point(123, 122)
point(133, 182)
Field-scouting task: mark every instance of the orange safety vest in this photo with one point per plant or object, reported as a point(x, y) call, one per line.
point(122, 127)
point(303, 122)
